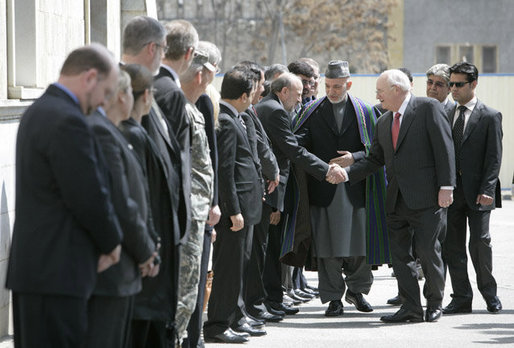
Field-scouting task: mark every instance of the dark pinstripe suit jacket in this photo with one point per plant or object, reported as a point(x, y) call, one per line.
point(424, 158)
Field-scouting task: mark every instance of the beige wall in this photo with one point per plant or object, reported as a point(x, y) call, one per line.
point(35, 38)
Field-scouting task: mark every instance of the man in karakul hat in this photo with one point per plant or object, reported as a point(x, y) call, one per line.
point(347, 219)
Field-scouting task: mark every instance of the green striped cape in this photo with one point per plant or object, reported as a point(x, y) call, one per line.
point(377, 250)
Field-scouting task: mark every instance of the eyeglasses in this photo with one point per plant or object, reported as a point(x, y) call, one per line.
point(308, 82)
point(164, 48)
point(458, 84)
point(438, 84)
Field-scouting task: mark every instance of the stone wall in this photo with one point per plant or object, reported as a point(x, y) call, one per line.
point(35, 38)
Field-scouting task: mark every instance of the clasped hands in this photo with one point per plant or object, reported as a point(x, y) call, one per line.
point(336, 174)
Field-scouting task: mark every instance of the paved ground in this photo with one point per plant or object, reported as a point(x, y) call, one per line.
point(310, 328)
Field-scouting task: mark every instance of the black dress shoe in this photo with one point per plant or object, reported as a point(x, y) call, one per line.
point(286, 298)
point(335, 309)
point(395, 301)
point(242, 334)
point(314, 293)
point(289, 310)
point(454, 307)
point(226, 337)
point(253, 331)
point(267, 316)
point(358, 301)
point(310, 287)
point(301, 293)
point(433, 314)
point(494, 305)
point(254, 321)
point(402, 316)
point(275, 311)
point(292, 294)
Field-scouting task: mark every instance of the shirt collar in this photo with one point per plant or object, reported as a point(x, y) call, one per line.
point(230, 106)
point(402, 108)
point(470, 105)
point(173, 73)
point(68, 92)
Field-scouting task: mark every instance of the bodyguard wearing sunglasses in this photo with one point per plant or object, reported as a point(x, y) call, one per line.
point(477, 135)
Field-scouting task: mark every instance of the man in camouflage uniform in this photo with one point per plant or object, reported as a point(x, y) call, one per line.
point(193, 83)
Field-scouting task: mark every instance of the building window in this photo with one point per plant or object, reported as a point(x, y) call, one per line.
point(466, 54)
point(442, 55)
point(489, 64)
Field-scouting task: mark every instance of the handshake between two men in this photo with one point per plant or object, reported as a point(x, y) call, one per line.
point(336, 174)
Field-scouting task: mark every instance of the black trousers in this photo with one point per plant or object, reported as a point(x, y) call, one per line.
point(255, 292)
point(480, 250)
point(228, 264)
point(194, 328)
point(423, 227)
point(48, 320)
point(272, 276)
point(109, 321)
point(151, 334)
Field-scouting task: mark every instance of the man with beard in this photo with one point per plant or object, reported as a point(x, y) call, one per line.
point(338, 212)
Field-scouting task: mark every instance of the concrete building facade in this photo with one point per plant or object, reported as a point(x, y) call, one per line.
point(441, 31)
point(35, 38)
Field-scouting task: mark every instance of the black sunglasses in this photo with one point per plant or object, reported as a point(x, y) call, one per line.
point(458, 84)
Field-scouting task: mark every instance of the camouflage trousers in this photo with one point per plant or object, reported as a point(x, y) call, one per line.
point(189, 277)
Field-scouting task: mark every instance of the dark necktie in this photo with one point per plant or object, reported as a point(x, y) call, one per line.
point(457, 134)
point(241, 120)
point(395, 130)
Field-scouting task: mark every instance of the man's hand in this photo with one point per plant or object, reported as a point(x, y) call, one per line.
point(484, 199)
point(214, 216)
point(213, 236)
point(445, 198)
point(237, 222)
point(335, 174)
point(147, 268)
point(273, 184)
point(274, 218)
point(345, 160)
point(107, 260)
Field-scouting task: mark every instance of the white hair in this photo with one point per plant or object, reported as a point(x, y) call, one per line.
point(398, 78)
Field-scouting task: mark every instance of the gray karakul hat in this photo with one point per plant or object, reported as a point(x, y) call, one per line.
point(337, 69)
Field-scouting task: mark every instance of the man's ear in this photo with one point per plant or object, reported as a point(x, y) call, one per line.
point(349, 85)
point(189, 54)
point(198, 77)
point(474, 84)
point(90, 78)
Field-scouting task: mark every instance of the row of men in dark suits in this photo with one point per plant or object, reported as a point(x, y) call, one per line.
point(85, 204)
point(94, 209)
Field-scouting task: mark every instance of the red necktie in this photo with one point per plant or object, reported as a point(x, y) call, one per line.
point(396, 129)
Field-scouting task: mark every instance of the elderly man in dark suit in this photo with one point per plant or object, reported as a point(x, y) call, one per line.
point(438, 78)
point(240, 198)
point(144, 41)
point(413, 140)
point(477, 136)
point(65, 229)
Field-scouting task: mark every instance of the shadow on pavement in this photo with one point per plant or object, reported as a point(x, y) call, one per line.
point(503, 331)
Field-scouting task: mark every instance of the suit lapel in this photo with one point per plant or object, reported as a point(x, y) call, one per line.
point(327, 114)
point(388, 115)
point(171, 142)
point(473, 121)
